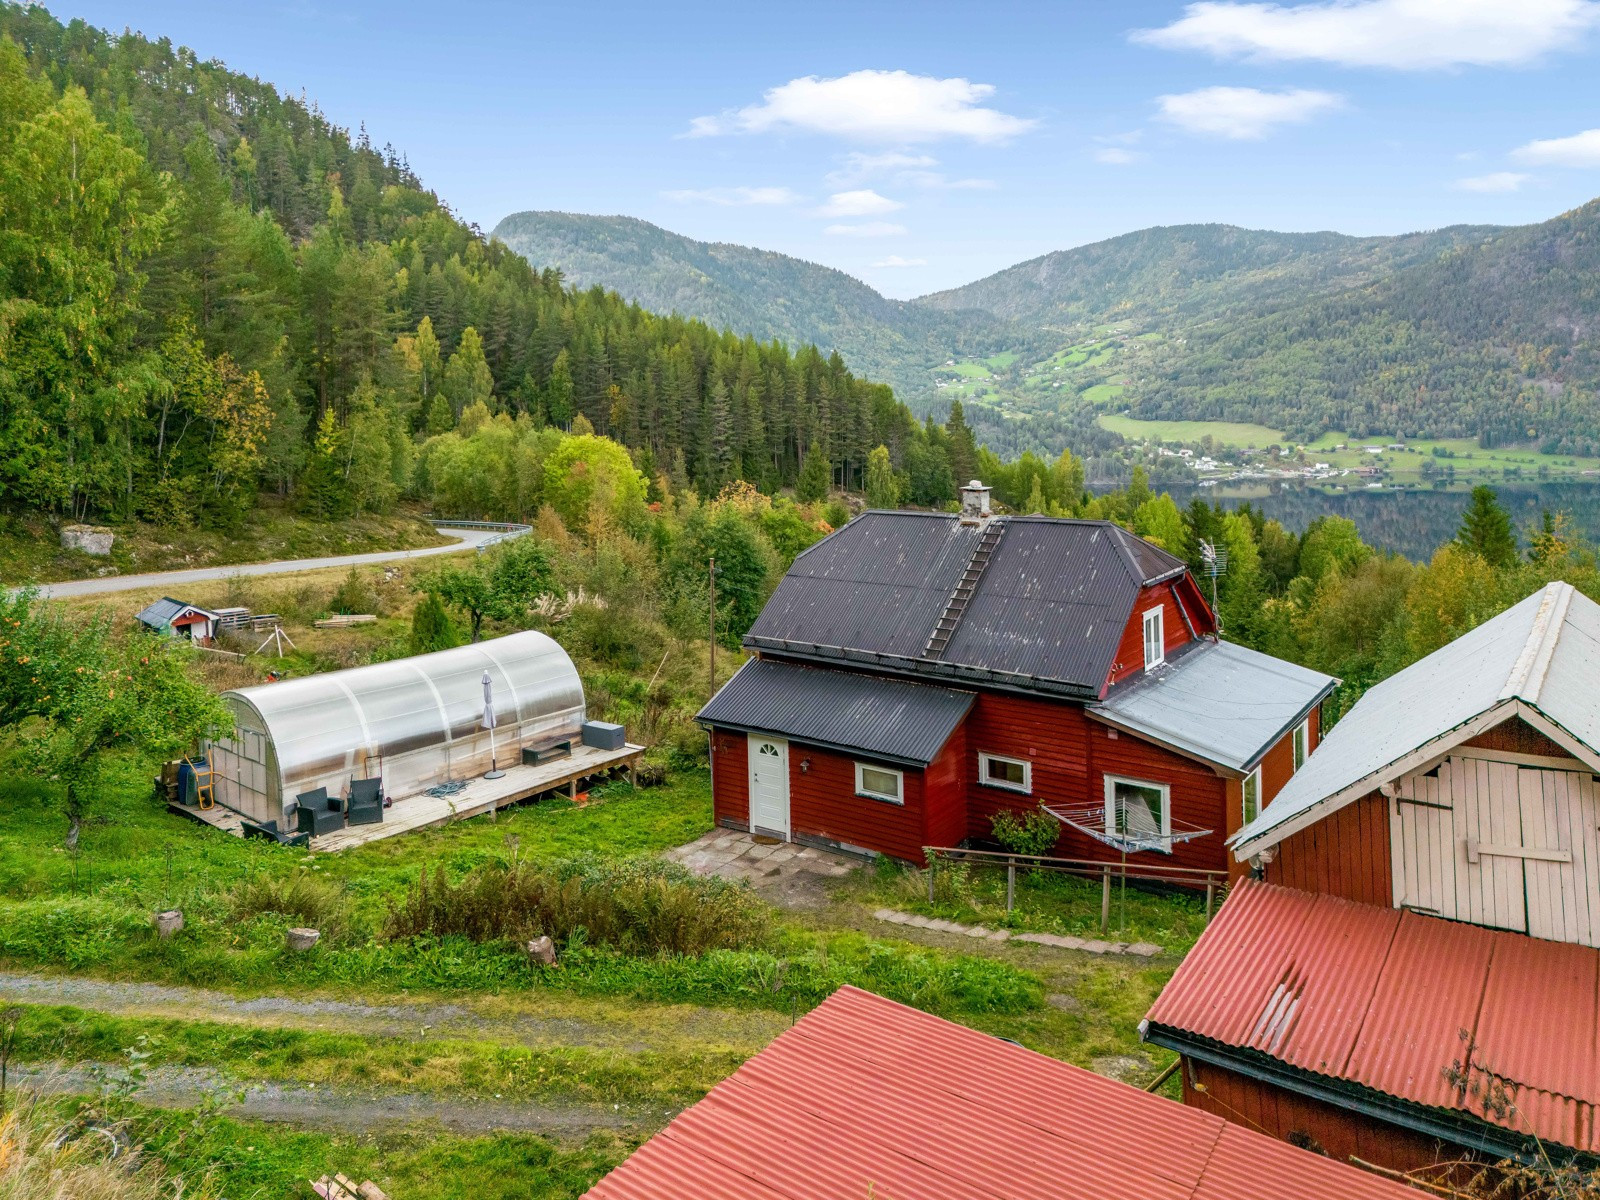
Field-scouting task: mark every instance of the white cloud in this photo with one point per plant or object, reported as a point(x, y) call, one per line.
point(734, 197)
point(1400, 34)
point(872, 106)
point(1243, 113)
point(859, 166)
point(1116, 156)
point(1579, 150)
point(938, 182)
point(866, 229)
point(862, 203)
point(895, 261)
point(1495, 181)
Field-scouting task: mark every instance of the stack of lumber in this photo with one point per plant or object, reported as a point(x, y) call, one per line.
point(343, 619)
point(342, 1187)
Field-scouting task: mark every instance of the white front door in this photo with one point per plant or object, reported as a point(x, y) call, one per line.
point(769, 786)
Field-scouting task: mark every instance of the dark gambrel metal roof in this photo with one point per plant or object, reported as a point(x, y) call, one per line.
point(164, 611)
point(1047, 614)
point(863, 714)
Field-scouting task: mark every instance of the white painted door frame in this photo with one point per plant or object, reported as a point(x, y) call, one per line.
point(769, 778)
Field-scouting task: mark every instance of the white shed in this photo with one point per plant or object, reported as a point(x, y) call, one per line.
point(414, 722)
point(1480, 764)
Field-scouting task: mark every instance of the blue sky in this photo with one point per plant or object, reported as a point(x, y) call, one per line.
point(920, 146)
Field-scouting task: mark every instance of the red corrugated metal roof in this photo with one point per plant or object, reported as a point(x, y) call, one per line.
point(1402, 1004)
point(867, 1098)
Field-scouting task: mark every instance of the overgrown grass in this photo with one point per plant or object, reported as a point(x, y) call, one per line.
point(637, 906)
point(1046, 902)
point(443, 1065)
point(36, 1165)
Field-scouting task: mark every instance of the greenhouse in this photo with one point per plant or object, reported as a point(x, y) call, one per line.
point(412, 724)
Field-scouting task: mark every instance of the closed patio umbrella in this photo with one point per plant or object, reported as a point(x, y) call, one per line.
point(494, 771)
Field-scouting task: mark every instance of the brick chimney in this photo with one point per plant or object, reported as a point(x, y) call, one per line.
point(974, 504)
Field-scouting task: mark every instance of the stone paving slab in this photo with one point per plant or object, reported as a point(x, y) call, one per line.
point(729, 854)
point(1057, 940)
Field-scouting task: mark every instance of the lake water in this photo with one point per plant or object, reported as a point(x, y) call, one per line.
point(1412, 523)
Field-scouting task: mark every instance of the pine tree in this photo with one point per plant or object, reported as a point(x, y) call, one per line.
point(1486, 529)
point(963, 446)
point(467, 379)
point(812, 485)
point(431, 626)
point(882, 489)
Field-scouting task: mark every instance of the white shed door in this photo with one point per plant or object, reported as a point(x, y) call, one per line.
point(1559, 855)
point(769, 786)
point(1502, 846)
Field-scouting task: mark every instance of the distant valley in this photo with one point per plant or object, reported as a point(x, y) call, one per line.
point(1475, 332)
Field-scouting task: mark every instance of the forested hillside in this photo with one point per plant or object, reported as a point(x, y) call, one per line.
point(756, 292)
point(1494, 338)
point(1189, 272)
point(208, 289)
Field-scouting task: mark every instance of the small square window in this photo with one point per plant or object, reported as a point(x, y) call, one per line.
point(1302, 740)
point(880, 783)
point(1250, 790)
point(1014, 774)
point(1155, 652)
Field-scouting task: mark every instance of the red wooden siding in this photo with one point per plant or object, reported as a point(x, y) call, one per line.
point(823, 802)
point(730, 777)
point(1130, 652)
point(1071, 755)
point(944, 790)
point(1518, 737)
point(1310, 1124)
point(1345, 854)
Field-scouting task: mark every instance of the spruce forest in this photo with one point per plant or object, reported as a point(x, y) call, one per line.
point(211, 291)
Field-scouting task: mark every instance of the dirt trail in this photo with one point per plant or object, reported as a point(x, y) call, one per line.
point(346, 1110)
point(528, 1020)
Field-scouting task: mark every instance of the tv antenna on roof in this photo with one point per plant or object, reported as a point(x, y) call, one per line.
point(1215, 559)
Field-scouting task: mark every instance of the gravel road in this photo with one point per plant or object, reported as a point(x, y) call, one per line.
point(164, 579)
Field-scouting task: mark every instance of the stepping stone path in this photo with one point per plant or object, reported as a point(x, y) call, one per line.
point(1095, 946)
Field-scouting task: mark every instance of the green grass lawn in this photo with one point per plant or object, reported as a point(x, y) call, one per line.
point(1227, 433)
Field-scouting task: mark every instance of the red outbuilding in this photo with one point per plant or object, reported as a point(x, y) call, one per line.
point(917, 673)
point(865, 1099)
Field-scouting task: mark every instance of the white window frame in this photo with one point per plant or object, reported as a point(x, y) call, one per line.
point(1025, 787)
point(1300, 744)
point(1157, 617)
point(1244, 804)
point(1165, 789)
point(863, 790)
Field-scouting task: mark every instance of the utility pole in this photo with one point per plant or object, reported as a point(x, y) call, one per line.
point(711, 580)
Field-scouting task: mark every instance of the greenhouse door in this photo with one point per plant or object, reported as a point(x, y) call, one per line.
point(769, 786)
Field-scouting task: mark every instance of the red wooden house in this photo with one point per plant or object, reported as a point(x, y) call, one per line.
point(1417, 977)
point(916, 673)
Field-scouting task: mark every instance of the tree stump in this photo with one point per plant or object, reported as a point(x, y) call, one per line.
point(542, 951)
point(303, 939)
point(168, 923)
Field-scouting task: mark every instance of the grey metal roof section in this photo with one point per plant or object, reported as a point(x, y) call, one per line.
point(1219, 702)
point(879, 718)
point(1543, 651)
point(1046, 614)
point(160, 614)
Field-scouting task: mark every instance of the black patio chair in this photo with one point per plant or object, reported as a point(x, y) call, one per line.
point(366, 802)
point(317, 812)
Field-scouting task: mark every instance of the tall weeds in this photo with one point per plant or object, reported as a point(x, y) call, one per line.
point(39, 1161)
point(638, 906)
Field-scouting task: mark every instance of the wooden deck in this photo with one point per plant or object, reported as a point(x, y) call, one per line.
point(217, 816)
point(481, 796)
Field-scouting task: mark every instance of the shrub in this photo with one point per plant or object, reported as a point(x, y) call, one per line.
point(1034, 832)
point(354, 595)
point(431, 626)
point(302, 896)
point(638, 906)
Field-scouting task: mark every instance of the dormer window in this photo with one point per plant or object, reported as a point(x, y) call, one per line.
point(1155, 640)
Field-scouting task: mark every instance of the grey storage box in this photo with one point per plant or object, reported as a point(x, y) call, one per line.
point(603, 735)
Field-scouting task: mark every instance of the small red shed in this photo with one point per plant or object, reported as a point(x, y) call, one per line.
point(917, 673)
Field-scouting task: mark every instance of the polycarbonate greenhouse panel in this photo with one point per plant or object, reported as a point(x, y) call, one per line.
point(414, 721)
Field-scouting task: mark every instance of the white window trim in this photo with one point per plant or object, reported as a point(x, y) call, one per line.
point(1160, 623)
point(1247, 817)
point(1025, 787)
point(1165, 789)
point(863, 790)
point(1303, 731)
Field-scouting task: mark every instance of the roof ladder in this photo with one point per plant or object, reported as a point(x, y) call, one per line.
point(945, 629)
